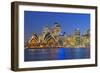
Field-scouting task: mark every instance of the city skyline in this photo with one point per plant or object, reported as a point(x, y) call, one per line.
point(52, 37)
point(35, 21)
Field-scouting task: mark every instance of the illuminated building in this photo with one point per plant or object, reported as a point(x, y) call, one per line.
point(56, 29)
point(53, 37)
point(77, 37)
point(85, 39)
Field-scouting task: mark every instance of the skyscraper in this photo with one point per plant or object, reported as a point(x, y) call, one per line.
point(56, 29)
point(77, 36)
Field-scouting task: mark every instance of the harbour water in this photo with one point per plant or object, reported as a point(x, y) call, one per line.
point(56, 54)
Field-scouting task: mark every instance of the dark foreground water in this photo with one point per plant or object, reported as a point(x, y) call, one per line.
point(56, 54)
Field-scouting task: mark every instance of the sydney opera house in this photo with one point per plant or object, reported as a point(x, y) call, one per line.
point(53, 38)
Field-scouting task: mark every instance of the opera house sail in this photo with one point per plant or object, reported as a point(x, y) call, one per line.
point(53, 37)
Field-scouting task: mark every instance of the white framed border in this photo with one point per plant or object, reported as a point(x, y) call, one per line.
point(33, 64)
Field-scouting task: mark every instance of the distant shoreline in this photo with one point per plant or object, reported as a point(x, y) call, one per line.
point(57, 47)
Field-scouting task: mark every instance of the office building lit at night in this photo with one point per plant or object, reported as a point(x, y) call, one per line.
point(53, 37)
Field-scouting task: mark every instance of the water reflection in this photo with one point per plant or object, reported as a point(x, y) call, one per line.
point(56, 54)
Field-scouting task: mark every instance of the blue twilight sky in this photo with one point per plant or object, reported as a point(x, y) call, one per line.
point(35, 21)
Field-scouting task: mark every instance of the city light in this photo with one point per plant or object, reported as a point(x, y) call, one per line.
point(54, 38)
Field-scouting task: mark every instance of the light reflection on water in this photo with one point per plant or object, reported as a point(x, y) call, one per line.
point(56, 54)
